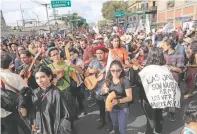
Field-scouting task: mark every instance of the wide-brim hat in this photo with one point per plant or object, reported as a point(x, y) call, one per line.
point(188, 40)
point(100, 47)
point(95, 41)
point(141, 37)
point(13, 43)
point(126, 38)
point(99, 36)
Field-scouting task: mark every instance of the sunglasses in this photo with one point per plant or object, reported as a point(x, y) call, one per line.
point(117, 71)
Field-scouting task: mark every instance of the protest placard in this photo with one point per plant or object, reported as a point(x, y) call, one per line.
point(160, 87)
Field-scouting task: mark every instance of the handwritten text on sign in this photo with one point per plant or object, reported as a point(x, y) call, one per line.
point(160, 87)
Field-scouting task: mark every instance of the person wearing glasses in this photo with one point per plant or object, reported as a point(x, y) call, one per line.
point(59, 65)
point(117, 82)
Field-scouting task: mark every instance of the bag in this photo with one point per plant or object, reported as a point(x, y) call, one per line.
point(9, 100)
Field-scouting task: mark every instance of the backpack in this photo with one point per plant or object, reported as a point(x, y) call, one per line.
point(9, 99)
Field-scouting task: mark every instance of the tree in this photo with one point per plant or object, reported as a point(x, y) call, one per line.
point(110, 7)
point(102, 23)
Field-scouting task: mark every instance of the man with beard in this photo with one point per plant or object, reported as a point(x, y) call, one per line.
point(95, 67)
point(27, 59)
point(87, 54)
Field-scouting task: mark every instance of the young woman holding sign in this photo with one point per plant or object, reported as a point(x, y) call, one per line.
point(154, 116)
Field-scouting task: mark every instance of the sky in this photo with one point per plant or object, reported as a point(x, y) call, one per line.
point(89, 9)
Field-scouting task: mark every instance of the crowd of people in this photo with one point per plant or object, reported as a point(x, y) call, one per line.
point(44, 79)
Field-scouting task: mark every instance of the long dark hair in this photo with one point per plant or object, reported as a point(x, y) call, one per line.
point(109, 75)
point(145, 50)
point(155, 57)
point(111, 39)
point(45, 70)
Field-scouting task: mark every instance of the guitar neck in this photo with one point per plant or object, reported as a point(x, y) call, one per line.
point(102, 71)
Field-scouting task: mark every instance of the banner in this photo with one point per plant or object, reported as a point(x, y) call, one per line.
point(161, 89)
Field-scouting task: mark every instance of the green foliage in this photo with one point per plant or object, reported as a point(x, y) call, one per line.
point(102, 23)
point(110, 7)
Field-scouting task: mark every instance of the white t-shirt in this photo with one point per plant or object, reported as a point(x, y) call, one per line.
point(13, 79)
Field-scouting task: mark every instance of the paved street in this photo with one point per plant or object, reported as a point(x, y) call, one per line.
point(137, 121)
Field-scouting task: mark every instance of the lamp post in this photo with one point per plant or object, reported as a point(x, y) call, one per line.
point(37, 21)
point(37, 17)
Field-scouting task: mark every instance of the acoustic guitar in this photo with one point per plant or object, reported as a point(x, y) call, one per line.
point(60, 74)
point(28, 73)
point(92, 80)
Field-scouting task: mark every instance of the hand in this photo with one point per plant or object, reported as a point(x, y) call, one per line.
point(22, 73)
point(106, 90)
point(115, 102)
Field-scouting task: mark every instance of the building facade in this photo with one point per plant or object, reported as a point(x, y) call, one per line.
point(138, 9)
point(176, 11)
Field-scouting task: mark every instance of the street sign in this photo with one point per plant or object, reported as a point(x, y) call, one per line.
point(83, 20)
point(118, 14)
point(60, 3)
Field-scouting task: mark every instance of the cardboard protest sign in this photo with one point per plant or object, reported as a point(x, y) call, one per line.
point(161, 89)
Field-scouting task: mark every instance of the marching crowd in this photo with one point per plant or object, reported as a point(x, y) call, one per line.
point(44, 79)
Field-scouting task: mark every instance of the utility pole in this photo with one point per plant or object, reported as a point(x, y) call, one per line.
point(46, 6)
point(22, 16)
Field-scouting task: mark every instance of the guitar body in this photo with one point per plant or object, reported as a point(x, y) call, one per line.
point(91, 82)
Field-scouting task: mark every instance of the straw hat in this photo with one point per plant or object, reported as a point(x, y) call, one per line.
point(126, 38)
point(188, 40)
point(99, 36)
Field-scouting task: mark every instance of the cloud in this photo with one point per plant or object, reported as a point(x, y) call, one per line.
point(89, 9)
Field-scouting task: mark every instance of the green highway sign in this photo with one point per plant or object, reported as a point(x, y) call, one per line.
point(60, 3)
point(118, 14)
point(83, 20)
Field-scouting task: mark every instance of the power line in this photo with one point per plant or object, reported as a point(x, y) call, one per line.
point(46, 7)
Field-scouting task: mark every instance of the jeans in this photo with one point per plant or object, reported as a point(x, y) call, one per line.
point(101, 105)
point(119, 119)
point(154, 118)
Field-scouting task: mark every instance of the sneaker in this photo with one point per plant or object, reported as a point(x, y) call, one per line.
point(140, 133)
point(92, 104)
point(172, 116)
point(189, 95)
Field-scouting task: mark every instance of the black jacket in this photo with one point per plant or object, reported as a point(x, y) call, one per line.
point(47, 110)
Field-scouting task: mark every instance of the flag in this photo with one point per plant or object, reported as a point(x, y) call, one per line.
point(147, 25)
point(109, 60)
point(95, 28)
point(167, 27)
point(140, 27)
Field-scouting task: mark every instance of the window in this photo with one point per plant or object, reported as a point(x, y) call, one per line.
point(154, 4)
point(130, 18)
point(154, 16)
point(134, 18)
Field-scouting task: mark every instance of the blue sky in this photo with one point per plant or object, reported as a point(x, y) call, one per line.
point(90, 9)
